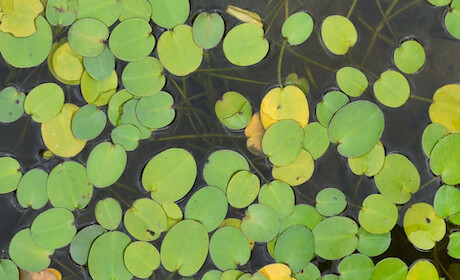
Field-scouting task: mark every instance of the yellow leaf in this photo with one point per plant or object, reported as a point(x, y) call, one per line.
point(65, 64)
point(57, 133)
point(446, 107)
point(297, 172)
point(255, 132)
point(423, 270)
point(288, 103)
point(277, 271)
point(244, 15)
point(46, 274)
point(18, 16)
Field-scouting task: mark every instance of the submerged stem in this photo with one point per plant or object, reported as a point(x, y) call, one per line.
point(280, 61)
point(421, 98)
point(352, 8)
point(205, 135)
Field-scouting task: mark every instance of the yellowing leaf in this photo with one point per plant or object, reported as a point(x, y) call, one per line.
point(244, 15)
point(277, 271)
point(57, 133)
point(236, 223)
point(288, 103)
point(446, 107)
point(18, 16)
point(255, 132)
point(65, 64)
point(46, 274)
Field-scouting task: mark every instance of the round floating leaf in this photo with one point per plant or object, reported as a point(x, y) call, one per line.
point(18, 17)
point(276, 271)
point(61, 12)
point(144, 77)
point(98, 92)
point(373, 245)
point(452, 19)
point(87, 36)
point(329, 277)
point(57, 133)
point(108, 213)
point(65, 64)
point(156, 111)
point(170, 175)
point(378, 215)
point(351, 81)
point(10, 175)
point(44, 102)
point(208, 206)
point(245, 44)
point(8, 270)
point(423, 227)
point(255, 131)
point(88, 122)
point(330, 202)
point(309, 272)
point(315, 139)
point(11, 104)
point(141, 259)
point(304, 215)
point(297, 172)
point(370, 163)
point(392, 89)
point(173, 214)
point(178, 52)
point(390, 269)
point(335, 237)
point(233, 110)
point(32, 189)
point(283, 141)
point(398, 179)
point(105, 164)
point(129, 117)
point(297, 28)
point(208, 30)
point(283, 104)
point(221, 166)
point(255, 276)
point(338, 34)
point(356, 266)
point(132, 40)
point(231, 275)
point(295, 247)
point(242, 189)
point(28, 51)
point(107, 11)
point(135, 9)
point(116, 103)
point(422, 269)
point(127, 136)
point(212, 275)
point(445, 159)
point(145, 220)
point(168, 14)
point(185, 248)
point(105, 259)
point(53, 228)
point(68, 186)
point(81, 244)
point(302, 83)
point(445, 109)
point(100, 67)
point(439, 2)
point(446, 201)
point(229, 248)
point(261, 223)
point(431, 136)
point(409, 57)
point(453, 248)
point(279, 196)
point(356, 128)
point(332, 102)
point(26, 254)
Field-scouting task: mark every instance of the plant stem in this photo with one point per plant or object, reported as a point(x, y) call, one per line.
point(311, 61)
point(205, 135)
point(280, 61)
point(352, 8)
point(235, 78)
point(421, 98)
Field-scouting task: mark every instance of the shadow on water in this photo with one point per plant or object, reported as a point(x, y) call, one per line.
point(195, 127)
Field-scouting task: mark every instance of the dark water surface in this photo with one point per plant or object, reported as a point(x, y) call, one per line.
point(372, 54)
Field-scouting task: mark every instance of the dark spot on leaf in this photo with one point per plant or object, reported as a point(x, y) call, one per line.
point(428, 220)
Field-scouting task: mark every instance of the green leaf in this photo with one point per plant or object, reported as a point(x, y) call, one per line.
point(431, 136)
point(26, 254)
point(11, 104)
point(330, 202)
point(145, 220)
point(106, 163)
point(447, 201)
point(370, 163)
point(8, 270)
point(108, 213)
point(169, 13)
point(392, 89)
point(242, 189)
point(261, 223)
point(208, 30)
point(107, 11)
point(351, 81)
point(87, 36)
point(390, 269)
point(53, 228)
point(233, 110)
point(338, 34)
point(315, 140)
point(127, 136)
point(141, 259)
point(378, 215)
point(229, 248)
point(82, 242)
point(452, 19)
point(302, 214)
point(115, 108)
point(212, 275)
point(453, 248)
point(332, 102)
point(143, 77)
point(297, 28)
point(100, 67)
point(129, 117)
point(61, 12)
point(422, 269)
point(88, 122)
point(409, 57)
point(44, 102)
point(373, 245)
point(156, 111)
point(279, 196)
point(31, 190)
point(356, 267)
point(10, 175)
point(445, 159)
point(135, 9)
point(98, 92)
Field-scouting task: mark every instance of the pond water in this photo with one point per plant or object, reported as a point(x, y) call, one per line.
point(197, 129)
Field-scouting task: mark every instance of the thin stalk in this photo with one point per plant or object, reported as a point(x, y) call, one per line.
point(311, 61)
point(125, 187)
point(352, 8)
point(235, 78)
point(383, 37)
point(385, 18)
point(421, 98)
point(205, 135)
point(280, 62)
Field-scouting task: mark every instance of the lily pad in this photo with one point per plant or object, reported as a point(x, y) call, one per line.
point(279, 196)
point(356, 128)
point(135, 9)
point(255, 131)
point(445, 107)
point(378, 215)
point(8, 270)
point(10, 174)
point(32, 189)
point(108, 213)
point(212, 275)
point(297, 28)
point(65, 64)
point(88, 122)
point(453, 248)
point(231, 274)
point(439, 2)
point(261, 223)
point(452, 19)
point(245, 44)
point(352, 81)
point(409, 57)
point(390, 268)
point(398, 179)
point(170, 175)
point(315, 140)
point(100, 67)
point(115, 108)
point(156, 111)
point(431, 136)
point(87, 36)
point(61, 12)
point(423, 227)
point(373, 245)
point(335, 237)
point(370, 163)
point(392, 89)
point(297, 172)
point(106, 11)
point(178, 52)
point(446, 201)
point(145, 220)
point(208, 30)
point(168, 14)
point(127, 136)
point(106, 164)
point(445, 159)
point(338, 34)
point(141, 259)
point(422, 269)
point(255, 276)
point(129, 117)
point(53, 228)
point(233, 110)
point(185, 247)
point(18, 17)
point(332, 102)
point(276, 271)
point(356, 266)
point(11, 104)
point(82, 242)
point(137, 82)
point(27, 254)
point(229, 248)
point(98, 92)
point(44, 102)
point(302, 214)
point(330, 202)
point(242, 189)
